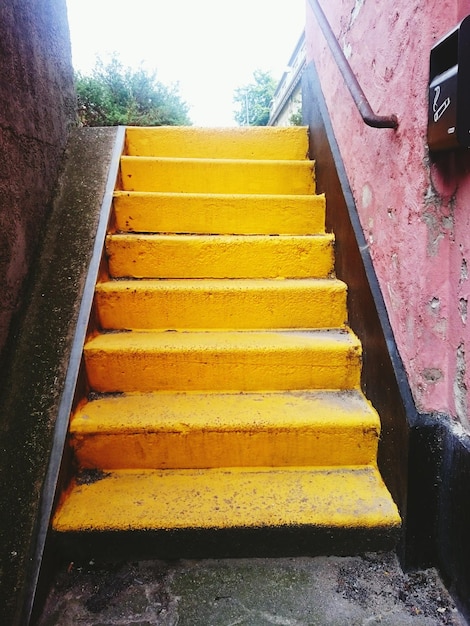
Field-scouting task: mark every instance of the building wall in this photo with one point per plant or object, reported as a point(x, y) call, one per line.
point(287, 98)
point(292, 106)
point(37, 105)
point(414, 209)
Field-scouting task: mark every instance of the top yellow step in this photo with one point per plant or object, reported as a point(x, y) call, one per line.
point(254, 142)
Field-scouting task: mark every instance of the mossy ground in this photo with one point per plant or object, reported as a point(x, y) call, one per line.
point(321, 591)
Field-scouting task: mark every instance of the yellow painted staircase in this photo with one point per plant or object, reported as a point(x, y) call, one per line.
point(224, 411)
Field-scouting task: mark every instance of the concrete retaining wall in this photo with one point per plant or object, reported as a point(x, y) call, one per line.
point(37, 108)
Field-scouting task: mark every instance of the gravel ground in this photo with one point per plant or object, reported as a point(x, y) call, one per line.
point(319, 591)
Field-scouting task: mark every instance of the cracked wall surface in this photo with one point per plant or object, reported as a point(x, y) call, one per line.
point(413, 206)
point(37, 107)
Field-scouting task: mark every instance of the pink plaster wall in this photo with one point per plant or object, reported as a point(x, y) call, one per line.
point(415, 213)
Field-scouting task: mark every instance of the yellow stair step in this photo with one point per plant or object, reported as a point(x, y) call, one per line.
point(220, 143)
point(228, 498)
point(190, 430)
point(143, 211)
point(219, 303)
point(217, 175)
point(231, 361)
point(224, 384)
point(221, 256)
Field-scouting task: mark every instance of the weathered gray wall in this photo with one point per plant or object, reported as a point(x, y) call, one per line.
point(32, 387)
point(37, 107)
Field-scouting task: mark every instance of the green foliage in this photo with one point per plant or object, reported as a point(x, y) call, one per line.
point(113, 95)
point(296, 118)
point(254, 100)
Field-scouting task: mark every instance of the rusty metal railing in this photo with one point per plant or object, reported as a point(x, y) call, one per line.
point(360, 100)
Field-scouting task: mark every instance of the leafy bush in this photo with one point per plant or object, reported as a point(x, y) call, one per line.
point(113, 95)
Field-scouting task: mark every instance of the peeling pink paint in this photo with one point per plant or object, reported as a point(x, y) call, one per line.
point(415, 213)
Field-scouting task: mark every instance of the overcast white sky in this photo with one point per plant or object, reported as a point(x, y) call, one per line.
point(209, 47)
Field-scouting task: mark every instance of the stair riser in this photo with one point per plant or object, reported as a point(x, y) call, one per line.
point(220, 143)
point(210, 213)
point(157, 306)
point(217, 176)
point(238, 370)
point(228, 543)
point(212, 449)
point(141, 256)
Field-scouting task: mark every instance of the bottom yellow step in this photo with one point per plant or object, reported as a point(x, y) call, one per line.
point(353, 497)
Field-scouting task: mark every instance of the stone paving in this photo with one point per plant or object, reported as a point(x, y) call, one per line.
point(319, 591)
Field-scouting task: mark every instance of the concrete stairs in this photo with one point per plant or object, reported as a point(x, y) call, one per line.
point(224, 412)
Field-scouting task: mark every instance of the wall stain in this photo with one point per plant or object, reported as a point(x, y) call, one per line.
point(463, 309)
point(438, 216)
point(463, 271)
point(460, 386)
point(355, 11)
point(432, 374)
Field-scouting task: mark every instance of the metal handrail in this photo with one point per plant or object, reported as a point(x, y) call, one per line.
point(360, 100)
